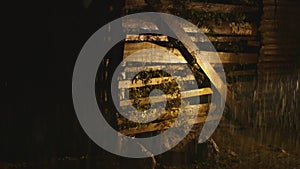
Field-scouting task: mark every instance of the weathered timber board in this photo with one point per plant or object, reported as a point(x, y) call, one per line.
point(156, 99)
point(174, 112)
point(153, 81)
point(211, 57)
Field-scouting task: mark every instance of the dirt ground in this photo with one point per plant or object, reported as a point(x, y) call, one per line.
point(240, 149)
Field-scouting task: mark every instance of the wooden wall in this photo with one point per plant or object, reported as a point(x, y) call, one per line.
point(278, 68)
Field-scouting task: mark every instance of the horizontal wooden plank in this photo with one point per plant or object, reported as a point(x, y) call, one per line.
point(130, 48)
point(279, 3)
point(223, 8)
point(269, 40)
point(196, 37)
point(272, 46)
point(262, 70)
point(173, 113)
point(276, 65)
point(134, 24)
point(134, 37)
point(156, 99)
point(242, 72)
point(268, 21)
point(235, 47)
point(226, 28)
point(282, 46)
point(283, 36)
point(270, 34)
point(276, 72)
point(170, 67)
point(196, 92)
point(243, 86)
point(226, 57)
point(269, 28)
point(281, 71)
point(147, 128)
point(283, 52)
point(251, 41)
point(154, 57)
point(153, 81)
point(271, 73)
point(269, 15)
point(279, 57)
point(201, 108)
point(271, 8)
point(161, 126)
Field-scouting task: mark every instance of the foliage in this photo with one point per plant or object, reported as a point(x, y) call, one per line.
point(168, 87)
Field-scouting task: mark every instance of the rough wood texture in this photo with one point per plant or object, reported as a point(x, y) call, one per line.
point(214, 7)
point(130, 48)
point(211, 57)
point(171, 67)
point(174, 112)
point(156, 99)
point(227, 28)
point(153, 81)
point(251, 40)
point(233, 58)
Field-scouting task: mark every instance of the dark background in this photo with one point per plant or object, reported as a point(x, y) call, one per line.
point(43, 41)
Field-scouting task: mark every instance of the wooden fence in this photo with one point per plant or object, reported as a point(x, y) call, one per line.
point(134, 65)
point(233, 28)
